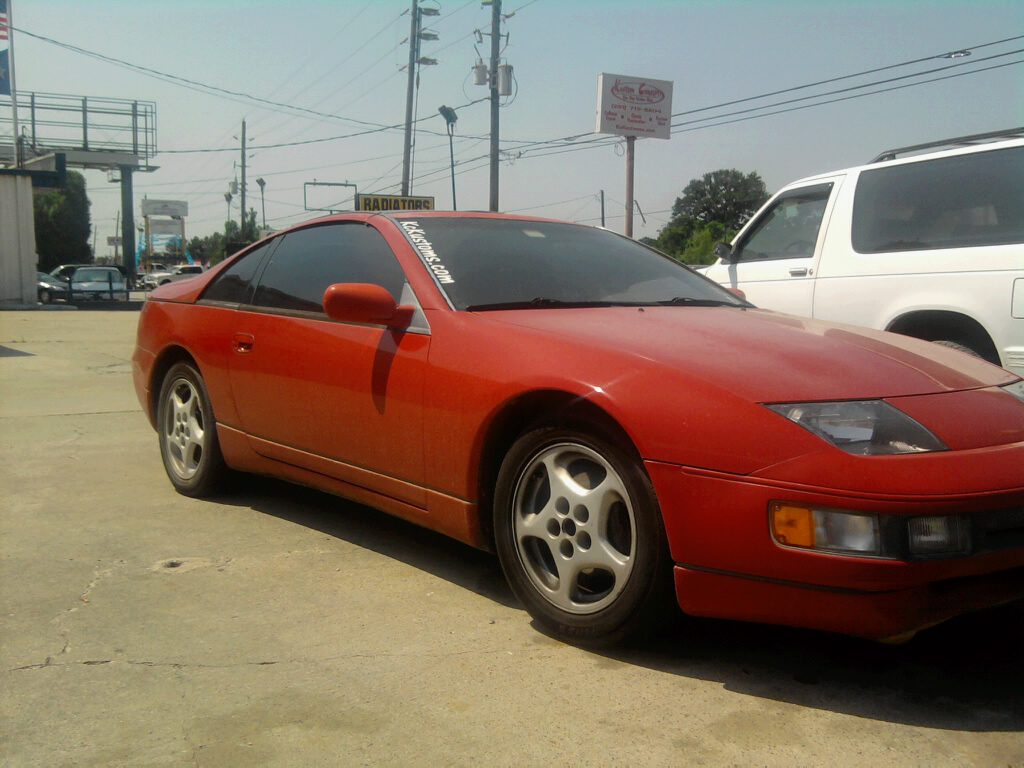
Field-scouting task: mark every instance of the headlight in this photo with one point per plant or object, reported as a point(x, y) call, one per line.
point(1016, 389)
point(828, 530)
point(849, 532)
point(863, 428)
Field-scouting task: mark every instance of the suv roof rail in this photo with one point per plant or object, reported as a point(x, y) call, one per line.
point(959, 141)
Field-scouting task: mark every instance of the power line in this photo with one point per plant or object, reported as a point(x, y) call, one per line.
point(865, 85)
point(303, 142)
point(843, 98)
point(844, 77)
point(534, 146)
point(195, 84)
point(557, 146)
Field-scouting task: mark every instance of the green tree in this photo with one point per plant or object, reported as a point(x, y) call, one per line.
point(63, 226)
point(726, 196)
point(700, 249)
point(207, 250)
point(712, 208)
point(172, 252)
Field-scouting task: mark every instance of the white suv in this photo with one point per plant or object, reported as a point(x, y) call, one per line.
point(928, 245)
point(180, 272)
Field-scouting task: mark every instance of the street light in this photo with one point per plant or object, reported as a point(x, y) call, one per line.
point(450, 118)
point(263, 201)
point(227, 197)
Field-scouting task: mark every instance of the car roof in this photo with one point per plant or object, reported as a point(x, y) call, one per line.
point(885, 159)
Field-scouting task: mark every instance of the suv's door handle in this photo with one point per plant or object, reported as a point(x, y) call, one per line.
point(242, 343)
point(798, 272)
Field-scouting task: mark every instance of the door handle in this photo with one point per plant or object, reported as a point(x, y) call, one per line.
point(242, 343)
point(798, 272)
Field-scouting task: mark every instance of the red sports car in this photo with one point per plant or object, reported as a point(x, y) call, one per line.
point(614, 425)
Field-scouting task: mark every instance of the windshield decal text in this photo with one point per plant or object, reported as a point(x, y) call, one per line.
point(426, 251)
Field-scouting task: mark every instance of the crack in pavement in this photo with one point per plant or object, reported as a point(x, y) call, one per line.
point(62, 631)
point(172, 664)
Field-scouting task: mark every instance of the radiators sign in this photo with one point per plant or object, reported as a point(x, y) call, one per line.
point(634, 106)
point(393, 203)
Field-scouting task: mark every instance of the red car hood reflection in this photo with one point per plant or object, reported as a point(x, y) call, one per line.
point(763, 356)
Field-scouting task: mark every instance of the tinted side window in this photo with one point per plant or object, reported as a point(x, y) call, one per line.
point(309, 260)
point(232, 285)
point(789, 229)
point(952, 202)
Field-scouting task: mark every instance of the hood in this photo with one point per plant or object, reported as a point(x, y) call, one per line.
point(764, 356)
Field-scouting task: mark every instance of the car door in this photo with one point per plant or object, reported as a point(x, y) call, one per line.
point(342, 399)
point(774, 259)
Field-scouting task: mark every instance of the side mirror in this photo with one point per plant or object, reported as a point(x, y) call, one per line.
point(723, 251)
point(365, 303)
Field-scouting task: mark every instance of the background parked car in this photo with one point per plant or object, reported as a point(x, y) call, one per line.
point(180, 272)
point(926, 245)
point(48, 287)
point(63, 272)
point(89, 282)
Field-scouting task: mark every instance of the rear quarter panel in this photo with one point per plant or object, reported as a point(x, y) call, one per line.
point(172, 330)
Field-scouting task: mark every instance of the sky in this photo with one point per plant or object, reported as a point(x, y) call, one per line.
point(322, 86)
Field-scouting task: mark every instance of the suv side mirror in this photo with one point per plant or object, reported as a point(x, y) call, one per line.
point(723, 251)
point(365, 303)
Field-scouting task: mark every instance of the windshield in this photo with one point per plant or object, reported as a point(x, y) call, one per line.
point(492, 263)
point(97, 275)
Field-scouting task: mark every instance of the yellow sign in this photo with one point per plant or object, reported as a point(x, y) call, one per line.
point(393, 203)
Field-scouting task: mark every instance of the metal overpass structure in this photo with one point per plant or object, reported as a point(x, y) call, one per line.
point(96, 133)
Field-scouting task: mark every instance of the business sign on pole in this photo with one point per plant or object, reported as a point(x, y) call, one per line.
point(164, 227)
point(164, 208)
point(114, 241)
point(634, 106)
point(393, 203)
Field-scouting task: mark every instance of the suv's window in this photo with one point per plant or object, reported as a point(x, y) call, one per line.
point(789, 229)
point(232, 285)
point(309, 260)
point(96, 275)
point(951, 202)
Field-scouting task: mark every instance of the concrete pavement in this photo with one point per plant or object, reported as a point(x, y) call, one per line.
point(280, 626)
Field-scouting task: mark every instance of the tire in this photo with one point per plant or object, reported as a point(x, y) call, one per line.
point(959, 346)
point(44, 296)
point(580, 537)
point(188, 433)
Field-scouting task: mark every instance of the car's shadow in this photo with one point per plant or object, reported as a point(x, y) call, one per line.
point(966, 674)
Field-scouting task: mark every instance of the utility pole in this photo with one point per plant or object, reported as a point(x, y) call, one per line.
point(493, 72)
point(243, 185)
point(414, 44)
point(630, 163)
point(416, 34)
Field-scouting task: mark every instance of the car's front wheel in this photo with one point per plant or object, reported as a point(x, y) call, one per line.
point(44, 296)
point(580, 536)
point(188, 433)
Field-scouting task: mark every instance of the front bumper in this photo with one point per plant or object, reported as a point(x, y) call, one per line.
point(729, 566)
point(874, 615)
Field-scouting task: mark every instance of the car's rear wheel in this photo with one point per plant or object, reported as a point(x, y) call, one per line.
point(580, 536)
point(188, 433)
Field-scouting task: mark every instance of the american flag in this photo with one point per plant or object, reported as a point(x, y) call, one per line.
point(4, 34)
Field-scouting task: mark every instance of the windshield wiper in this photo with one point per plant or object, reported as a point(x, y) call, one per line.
point(542, 302)
point(688, 301)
